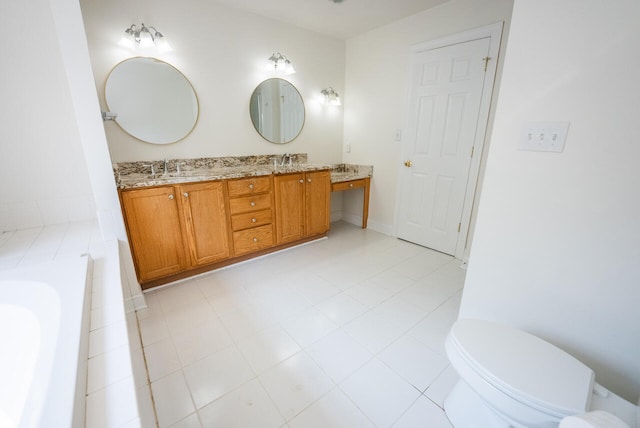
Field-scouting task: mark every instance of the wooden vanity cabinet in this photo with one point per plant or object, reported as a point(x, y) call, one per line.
point(250, 204)
point(176, 228)
point(179, 230)
point(205, 219)
point(289, 196)
point(302, 205)
point(155, 233)
point(317, 202)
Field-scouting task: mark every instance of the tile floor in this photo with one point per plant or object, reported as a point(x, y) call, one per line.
point(344, 332)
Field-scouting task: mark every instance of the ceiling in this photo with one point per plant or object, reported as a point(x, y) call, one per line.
point(341, 20)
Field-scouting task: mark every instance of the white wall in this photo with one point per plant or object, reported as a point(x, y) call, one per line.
point(42, 167)
point(79, 86)
point(376, 98)
point(222, 51)
point(556, 250)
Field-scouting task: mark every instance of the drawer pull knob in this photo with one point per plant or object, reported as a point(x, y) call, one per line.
point(301, 181)
point(255, 239)
point(253, 220)
point(171, 197)
point(250, 186)
point(309, 180)
point(351, 185)
point(253, 204)
point(185, 194)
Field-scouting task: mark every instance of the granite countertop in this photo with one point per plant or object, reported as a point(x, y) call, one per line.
point(347, 172)
point(138, 174)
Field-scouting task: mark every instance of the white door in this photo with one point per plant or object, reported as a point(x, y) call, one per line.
point(444, 116)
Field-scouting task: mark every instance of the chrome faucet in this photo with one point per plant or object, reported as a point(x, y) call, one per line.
point(285, 157)
point(178, 165)
point(153, 169)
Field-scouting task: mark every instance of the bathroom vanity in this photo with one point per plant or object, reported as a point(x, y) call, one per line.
point(219, 211)
point(350, 177)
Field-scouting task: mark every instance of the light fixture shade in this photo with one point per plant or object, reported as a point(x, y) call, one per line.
point(330, 97)
point(128, 40)
point(288, 67)
point(162, 43)
point(271, 64)
point(280, 63)
point(146, 39)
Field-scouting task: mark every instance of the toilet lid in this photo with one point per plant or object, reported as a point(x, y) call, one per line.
point(528, 368)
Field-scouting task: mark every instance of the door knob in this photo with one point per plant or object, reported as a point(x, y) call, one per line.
point(408, 164)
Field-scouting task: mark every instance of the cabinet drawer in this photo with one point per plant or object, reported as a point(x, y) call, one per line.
point(246, 241)
point(346, 185)
point(250, 203)
point(252, 219)
point(248, 186)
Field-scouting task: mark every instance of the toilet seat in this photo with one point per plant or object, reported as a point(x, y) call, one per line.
point(522, 366)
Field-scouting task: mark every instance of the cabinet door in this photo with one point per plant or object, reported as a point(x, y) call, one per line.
point(205, 218)
point(153, 222)
point(289, 195)
point(317, 202)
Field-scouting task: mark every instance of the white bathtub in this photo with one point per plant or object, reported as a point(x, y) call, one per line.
point(44, 328)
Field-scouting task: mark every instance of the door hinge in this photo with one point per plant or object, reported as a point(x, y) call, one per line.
point(486, 60)
point(459, 226)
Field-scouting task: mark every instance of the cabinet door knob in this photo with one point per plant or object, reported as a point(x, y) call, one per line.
point(185, 194)
point(308, 180)
point(350, 184)
point(170, 196)
point(250, 186)
point(253, 220)
point(253, 204)
point(255, 239)
point(301, 181)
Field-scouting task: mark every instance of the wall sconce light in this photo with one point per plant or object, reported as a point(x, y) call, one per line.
point(279, 62)
point(145, 37)
point(330, 97)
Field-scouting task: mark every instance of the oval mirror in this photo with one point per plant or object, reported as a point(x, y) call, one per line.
point(153, 100)
point(277, 111)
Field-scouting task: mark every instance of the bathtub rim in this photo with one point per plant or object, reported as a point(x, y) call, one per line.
point(71, 277)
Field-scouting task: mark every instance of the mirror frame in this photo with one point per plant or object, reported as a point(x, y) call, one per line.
point(136, 132)
point(254, 120)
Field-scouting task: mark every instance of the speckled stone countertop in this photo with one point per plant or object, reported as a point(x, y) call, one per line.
point(139, 174)
point(347, 172)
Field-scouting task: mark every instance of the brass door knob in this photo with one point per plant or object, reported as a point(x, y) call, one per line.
point(408, 164)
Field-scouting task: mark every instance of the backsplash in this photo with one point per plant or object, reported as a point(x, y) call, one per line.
point(144, 167)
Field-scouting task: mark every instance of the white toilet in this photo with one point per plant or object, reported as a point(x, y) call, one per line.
point(510, 378)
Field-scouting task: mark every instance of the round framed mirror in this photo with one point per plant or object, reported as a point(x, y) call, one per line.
point(277, 111)
point(153, 100)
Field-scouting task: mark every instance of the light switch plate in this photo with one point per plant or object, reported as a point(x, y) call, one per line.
point(543, 136)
